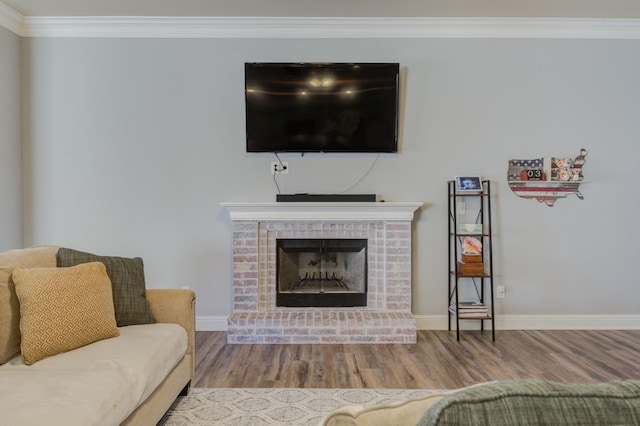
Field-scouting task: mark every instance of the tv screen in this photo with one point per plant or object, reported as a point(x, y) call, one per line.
point(322, 107)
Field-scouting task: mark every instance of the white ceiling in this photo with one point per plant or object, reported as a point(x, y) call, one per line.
point(629, 9)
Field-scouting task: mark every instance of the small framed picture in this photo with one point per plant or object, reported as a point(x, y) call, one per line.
point(468, 184)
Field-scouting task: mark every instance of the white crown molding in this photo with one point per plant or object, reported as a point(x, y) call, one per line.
point(263, 27)
point(11, 20)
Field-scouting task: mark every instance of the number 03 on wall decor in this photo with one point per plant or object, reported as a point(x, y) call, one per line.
point(548, 178)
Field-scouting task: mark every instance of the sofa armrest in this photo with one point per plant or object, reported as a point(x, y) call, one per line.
point(176, 306)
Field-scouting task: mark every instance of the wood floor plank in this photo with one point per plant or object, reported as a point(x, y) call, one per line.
point(436, 361)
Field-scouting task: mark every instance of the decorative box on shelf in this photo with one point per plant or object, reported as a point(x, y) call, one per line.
point(471, 258)
point(472, 268)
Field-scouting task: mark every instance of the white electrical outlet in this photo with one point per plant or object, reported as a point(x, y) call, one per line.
point(500, 292)
point(281, 168)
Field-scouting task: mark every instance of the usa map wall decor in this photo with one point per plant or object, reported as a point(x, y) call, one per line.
point(548, 178)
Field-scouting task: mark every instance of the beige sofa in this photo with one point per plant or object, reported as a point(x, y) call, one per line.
point(506, 403)
point(130, 379)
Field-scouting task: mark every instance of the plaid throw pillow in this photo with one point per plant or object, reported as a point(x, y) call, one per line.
point(127, 283)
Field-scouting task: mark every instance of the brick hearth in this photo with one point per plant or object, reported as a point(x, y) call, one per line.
point(387, 318)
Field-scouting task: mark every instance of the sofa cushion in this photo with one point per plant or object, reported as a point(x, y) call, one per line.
point(127, 280)
point(97, 384)
point(539, 402)
point(63, 308)
point(44, 256)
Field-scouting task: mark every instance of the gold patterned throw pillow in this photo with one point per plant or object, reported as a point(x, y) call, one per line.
point(63, 308)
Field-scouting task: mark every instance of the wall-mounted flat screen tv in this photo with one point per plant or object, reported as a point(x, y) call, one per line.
point(322, 107)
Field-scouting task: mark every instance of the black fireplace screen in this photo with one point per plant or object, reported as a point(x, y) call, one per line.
point(321, 272)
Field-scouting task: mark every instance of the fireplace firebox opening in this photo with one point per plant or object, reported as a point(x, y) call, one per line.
point(321, 272)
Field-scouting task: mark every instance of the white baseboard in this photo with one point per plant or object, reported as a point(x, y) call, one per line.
point(503, 322)
point(211, 323)
point(540, 322)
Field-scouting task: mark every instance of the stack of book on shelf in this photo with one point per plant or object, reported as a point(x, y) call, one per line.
point(470, 309)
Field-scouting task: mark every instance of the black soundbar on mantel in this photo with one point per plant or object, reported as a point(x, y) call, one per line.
point(330, 198)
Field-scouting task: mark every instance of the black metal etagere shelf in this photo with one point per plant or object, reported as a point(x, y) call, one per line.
point(480, 306)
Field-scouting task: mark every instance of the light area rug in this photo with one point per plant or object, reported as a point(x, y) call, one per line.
point(274, 406)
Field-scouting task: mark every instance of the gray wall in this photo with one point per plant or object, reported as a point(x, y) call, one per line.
point(132, 144)
point(10, 142)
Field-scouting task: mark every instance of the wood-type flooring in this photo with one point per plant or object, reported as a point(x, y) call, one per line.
point(437, 361)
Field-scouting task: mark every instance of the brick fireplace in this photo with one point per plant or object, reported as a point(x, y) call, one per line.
point(257, 228)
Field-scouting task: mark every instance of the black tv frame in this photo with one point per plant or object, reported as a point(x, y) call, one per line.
point(300, 147)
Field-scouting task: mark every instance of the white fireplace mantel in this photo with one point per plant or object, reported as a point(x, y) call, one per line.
point(386, 211)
